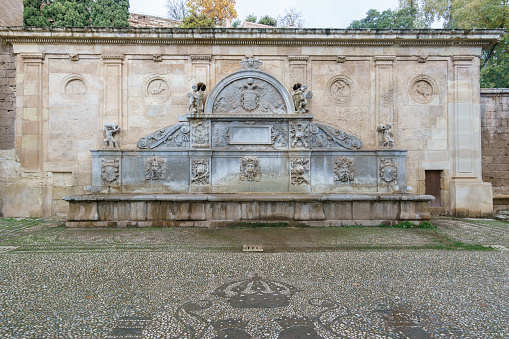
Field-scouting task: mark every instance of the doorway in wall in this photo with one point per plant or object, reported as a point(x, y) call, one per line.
point(433, 187)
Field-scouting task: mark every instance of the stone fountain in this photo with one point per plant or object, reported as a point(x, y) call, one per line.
point(250, 152)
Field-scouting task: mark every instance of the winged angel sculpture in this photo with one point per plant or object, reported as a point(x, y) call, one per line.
point(250, 96)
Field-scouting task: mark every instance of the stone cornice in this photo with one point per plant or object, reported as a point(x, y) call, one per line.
point(239, 36)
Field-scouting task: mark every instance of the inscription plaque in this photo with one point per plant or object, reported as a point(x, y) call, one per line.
point(252, 135)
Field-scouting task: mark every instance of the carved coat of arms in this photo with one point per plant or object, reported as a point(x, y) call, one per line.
point(250, 97)
point(110, 171)
point(388, 170)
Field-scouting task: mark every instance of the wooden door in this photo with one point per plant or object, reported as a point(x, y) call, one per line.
point(433, 187)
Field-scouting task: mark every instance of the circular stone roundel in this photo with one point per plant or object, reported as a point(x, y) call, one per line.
point(423, 89)
point(341, 88)
point(157, 89)
point(74, 87)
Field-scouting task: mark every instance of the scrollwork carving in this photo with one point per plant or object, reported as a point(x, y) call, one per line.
point(250, 169)
point(343, 169)
point(299, 171)
point(173, 136)
point(155, 169)
point(322, 135)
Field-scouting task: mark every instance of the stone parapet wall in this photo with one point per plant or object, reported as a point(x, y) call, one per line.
point(495, 138)
point(7, 96)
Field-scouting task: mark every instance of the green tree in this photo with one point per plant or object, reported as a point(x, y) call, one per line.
point(268, 20)
point(251, 18)
point(32, 14)
point(404, 18)
point(110, 13)
point(194, 20)
point(68, 13)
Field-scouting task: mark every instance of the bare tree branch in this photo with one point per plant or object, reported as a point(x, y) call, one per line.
point(291, 18)
point(177, 9)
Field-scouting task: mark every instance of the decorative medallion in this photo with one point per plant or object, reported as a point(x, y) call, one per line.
point(157, 89)
point(250, 169)
point(155, 169)
point(340, 89)
point(75, 87)
point(256, 292)
point(388, 170)
point(110, 171)
point(343, 169)
point(423, 89)
point(249, 95)
point(299, 134)
point(299, 171)
point(200, 172)
point(200, 134)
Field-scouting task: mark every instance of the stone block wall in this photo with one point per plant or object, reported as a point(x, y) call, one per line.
point(7, 96)
point(495, 138)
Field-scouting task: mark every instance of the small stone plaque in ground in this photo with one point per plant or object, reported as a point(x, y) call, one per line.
point(129, 327)
point(4, 249)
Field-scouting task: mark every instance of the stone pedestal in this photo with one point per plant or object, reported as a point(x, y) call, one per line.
point(471, 198)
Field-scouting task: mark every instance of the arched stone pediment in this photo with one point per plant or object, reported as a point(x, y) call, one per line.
point(249, 92)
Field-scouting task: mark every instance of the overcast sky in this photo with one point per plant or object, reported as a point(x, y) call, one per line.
point(316, 13)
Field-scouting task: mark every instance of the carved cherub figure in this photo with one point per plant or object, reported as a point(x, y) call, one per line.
point(386, 135)
point(300, 98)
point(109, 131)
point(196, 99)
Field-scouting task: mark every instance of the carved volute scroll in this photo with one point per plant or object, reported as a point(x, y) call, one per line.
point(173, 136)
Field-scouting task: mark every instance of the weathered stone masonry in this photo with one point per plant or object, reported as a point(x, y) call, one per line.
point(7, 96)
point(495, 138)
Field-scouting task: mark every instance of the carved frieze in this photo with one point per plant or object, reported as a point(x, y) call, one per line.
point(388, 170)
point(386, 139)
point(200, 134)
point(249, 95)
point(299, 135)
point(325, 136)
point(155, 169)
point(340, 89)
point(423, 89)
point(299, 171)
point(250, 169)
point(110, 171)
point(343, 169)
point(173, 136)
point(200, 172)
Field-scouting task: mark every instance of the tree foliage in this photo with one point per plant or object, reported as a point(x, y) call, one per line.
point(194, 20)
point(218, 10)
point(76, 13)
point(268, 20)
point(251, 18)
point(291, 18)
point(177, 9)
point(404, 18)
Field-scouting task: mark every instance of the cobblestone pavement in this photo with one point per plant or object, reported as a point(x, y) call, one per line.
point(125, 288)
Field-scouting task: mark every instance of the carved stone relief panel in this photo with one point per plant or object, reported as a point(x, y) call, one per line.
point(299, 134)
point(258, 135)
point(200, 134)
point(200, 173)
point(249, 96)
point(173, 136)
point(250, 169)
point(388, 170)
point(155, 169)
point(325, 136)
point(157, 90)
point(299, 171)
point(423, 89)
point(343, 169)
point(74, 87)
point(110, 171)
point(340, 89)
